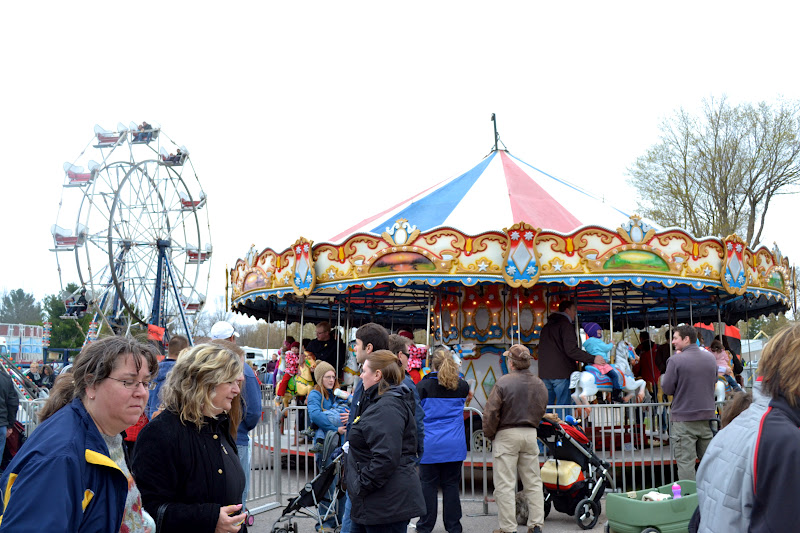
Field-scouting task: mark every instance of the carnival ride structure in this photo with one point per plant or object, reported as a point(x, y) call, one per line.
point(133, 221)
point(478, 261)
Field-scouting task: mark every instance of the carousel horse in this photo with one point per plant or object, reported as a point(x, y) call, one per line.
point(721, 388)
point(590, 381)
point(350, 367)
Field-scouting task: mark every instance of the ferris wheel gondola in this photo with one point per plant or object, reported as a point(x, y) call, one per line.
point(136, 224)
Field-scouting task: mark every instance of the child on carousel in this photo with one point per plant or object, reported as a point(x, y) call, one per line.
point(292, 362)
point(594, 345)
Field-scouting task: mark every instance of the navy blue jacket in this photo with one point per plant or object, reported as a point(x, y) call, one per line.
point(419, 415)
point(380, 468)
point(63, 479)
point(251, 406)
point(154, 400)
point(444, 420)
point(776, 483)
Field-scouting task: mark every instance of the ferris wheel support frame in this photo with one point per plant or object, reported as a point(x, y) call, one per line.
point(158, 297)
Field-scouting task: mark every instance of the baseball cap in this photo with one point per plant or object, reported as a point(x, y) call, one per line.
point(518, 352)
point(222, 330)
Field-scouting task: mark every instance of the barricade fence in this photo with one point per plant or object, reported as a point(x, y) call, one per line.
point(632, 438)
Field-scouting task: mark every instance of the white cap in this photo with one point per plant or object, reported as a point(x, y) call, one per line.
point(222, 330)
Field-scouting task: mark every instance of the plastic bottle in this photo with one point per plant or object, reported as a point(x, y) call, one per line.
point(676, 491)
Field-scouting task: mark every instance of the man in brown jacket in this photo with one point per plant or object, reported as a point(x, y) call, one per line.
point(559, 353)
point(513, 412)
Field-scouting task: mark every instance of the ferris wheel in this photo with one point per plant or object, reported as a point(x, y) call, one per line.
point(133, 221)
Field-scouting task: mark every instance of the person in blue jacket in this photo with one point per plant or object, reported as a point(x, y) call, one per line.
point(442, 395)
point(177, 344)
point(324, 410)
point(71, 474)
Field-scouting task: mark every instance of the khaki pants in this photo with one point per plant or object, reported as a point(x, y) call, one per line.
point(516, 450)
point(689, 442)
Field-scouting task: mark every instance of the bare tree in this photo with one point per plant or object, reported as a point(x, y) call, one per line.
point(209, 317)
point(716, 174)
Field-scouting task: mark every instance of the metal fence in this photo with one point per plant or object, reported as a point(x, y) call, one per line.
point(632, 438)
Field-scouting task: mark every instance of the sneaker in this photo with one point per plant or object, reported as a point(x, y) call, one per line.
point(308, 432)
point(535, 529)
point(316, 448)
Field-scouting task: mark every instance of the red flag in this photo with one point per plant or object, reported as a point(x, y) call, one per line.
point(155, 333)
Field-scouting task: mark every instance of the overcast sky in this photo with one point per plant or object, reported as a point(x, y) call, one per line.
point(303, 118)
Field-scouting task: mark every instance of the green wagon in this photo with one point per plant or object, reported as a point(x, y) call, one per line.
point(629, 514)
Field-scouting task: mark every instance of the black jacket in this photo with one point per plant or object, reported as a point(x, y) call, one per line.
point(558, 348)
point(775, 479)
point(380, 471)
point(179, 471)
point(9, 401)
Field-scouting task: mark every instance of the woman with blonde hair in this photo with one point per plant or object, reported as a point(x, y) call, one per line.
point(442, 395)
point(74, 464)
point(185, 460)
point(380, 470)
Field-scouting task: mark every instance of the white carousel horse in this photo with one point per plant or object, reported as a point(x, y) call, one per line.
point(350, 367)
point(586, 386)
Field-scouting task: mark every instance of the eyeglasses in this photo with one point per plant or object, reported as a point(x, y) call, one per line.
point(128, 384)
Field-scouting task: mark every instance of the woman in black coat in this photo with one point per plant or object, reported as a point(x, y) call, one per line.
point(185, 461)
point(381, 471)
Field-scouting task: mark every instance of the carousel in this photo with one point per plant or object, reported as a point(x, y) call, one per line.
point(479, 260)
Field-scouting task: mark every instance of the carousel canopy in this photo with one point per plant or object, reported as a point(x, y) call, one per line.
point(491, 251)
point(497, 192)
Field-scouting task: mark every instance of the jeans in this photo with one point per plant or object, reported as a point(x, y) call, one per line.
point(245, 452)
point(3, 431)
point(347, 525)
point(732, 383)
point(447, 476)
point(394, 527)
point(558, 394)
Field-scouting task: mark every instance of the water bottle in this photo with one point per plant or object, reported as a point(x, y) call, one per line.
point(339, 393)
point(676, 491)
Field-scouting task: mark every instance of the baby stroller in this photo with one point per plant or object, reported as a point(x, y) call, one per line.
point(575, 479)
point(306, 503)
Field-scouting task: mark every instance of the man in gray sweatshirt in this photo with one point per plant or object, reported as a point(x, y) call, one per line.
point(690, 378)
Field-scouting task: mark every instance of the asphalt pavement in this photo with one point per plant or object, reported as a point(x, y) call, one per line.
point(473, 521)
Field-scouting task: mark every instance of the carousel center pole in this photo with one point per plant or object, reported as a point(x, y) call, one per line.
point(441, 322)
point(610, 315)
point(519, 322)
point(428, 332)
point(669, 320)
point(269, 325)
point(338, 331)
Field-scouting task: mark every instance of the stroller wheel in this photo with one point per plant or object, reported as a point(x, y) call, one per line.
point(587, 513)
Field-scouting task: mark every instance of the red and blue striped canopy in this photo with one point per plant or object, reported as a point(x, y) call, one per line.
point(498, 192)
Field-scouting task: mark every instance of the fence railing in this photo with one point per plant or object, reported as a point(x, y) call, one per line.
point(632, 438)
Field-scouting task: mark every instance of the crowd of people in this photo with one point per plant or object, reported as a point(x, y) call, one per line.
point(138, 445)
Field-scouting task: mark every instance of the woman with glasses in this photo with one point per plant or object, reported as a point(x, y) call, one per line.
point(73, 465)
point(325, 411)
point(185, 460)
